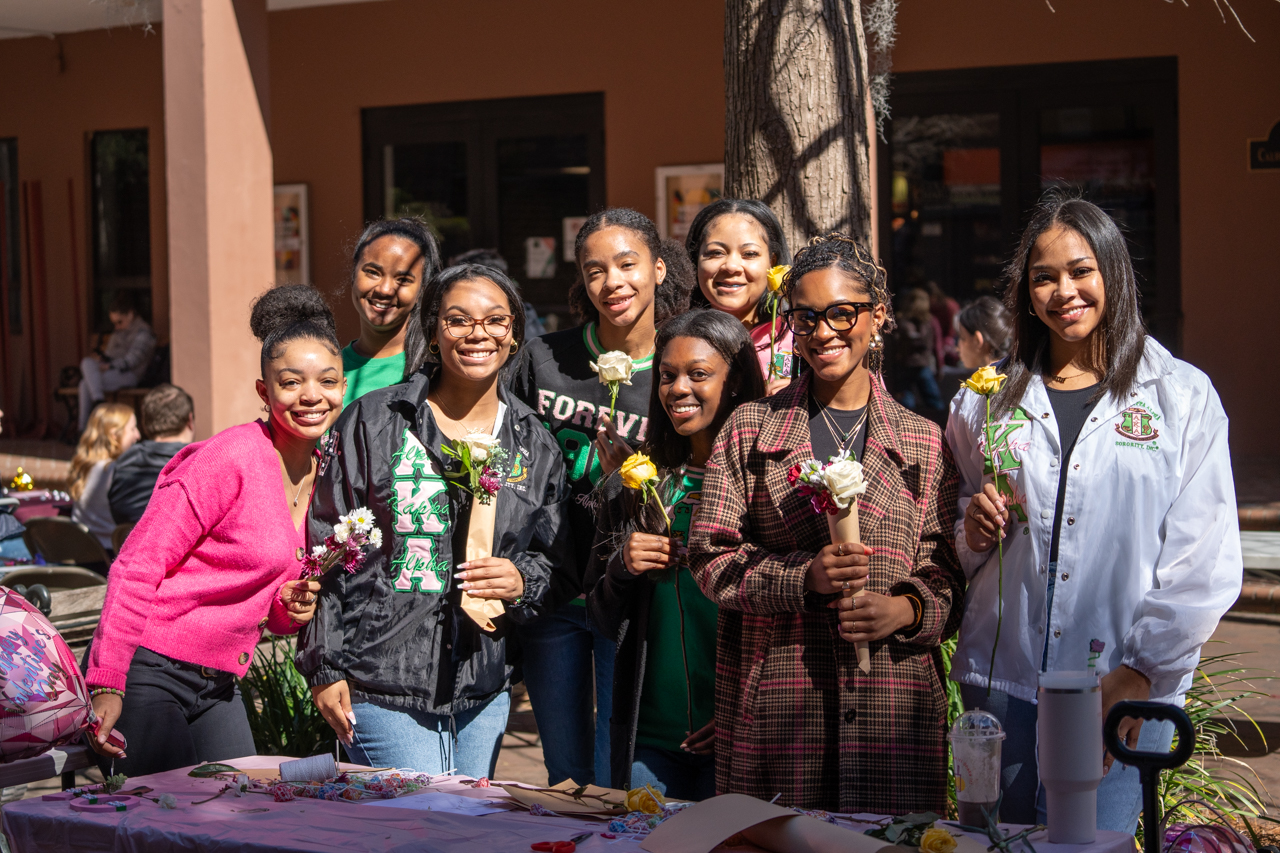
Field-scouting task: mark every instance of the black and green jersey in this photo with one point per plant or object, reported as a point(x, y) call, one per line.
point(556, 380)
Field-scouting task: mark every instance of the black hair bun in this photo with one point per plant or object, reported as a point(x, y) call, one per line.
point(288, 305)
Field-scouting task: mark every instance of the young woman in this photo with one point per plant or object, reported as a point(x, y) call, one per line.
point(399, 670)
point(112, 429)
point(628, 282)
point(795, 715)
point(214, 560)
point(392, 261)
point(984, 331)
point(733, 244)
point(1113, 494)
point(641, 591)
point(123, 361)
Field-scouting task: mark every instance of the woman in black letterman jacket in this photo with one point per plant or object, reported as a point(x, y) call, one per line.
point(403, 675)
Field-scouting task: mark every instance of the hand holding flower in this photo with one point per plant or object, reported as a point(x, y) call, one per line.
point(645, 552)
point(836, 565)
point(871, 616)
point(985, 520)
point(611, 448)
point(299, 599)
point(701, 742)
point(614, 370)
point(491, 577)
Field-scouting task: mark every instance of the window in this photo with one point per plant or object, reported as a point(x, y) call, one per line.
point(502, 174)
point(970, 151)
point(121, 222)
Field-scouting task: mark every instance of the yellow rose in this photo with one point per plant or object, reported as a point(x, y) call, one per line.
point(649, 800)
point(637, 470)
point(775, 277)
point(937, 840)
point(985, 381)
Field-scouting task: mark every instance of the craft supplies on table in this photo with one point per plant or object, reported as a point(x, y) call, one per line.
point(253, 821)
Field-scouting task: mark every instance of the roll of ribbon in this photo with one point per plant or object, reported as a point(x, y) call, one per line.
point(317, 768)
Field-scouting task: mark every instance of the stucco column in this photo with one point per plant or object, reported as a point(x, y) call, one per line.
point(218, 162)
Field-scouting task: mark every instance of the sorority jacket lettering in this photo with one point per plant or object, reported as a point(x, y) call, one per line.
point(395, 629)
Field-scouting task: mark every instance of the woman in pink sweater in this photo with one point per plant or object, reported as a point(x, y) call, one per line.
point(214, 561)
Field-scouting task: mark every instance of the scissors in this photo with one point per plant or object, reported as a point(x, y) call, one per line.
point(560, 846)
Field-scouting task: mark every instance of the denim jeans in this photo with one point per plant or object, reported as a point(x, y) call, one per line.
point(1119, 795)
point(176, 714)
point(386, 736)
point(677, 774)
point(559, 651)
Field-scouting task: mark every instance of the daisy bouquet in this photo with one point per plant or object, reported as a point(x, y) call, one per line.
point(833, 490)
point(344, 546)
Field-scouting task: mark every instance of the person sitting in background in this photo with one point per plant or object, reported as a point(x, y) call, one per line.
point(168, 424)
point(124, 359)
point(112, 429)
point(13, 548)
point(985, 331)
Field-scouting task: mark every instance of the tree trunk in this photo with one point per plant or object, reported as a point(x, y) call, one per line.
point(796, 114)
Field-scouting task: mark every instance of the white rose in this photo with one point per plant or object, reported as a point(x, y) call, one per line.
point(481, 445)
point(613, 367)
point(319, 551)
point(341, 531)
point(843, 478)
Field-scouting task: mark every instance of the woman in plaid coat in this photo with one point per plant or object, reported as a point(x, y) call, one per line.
point(794, 713)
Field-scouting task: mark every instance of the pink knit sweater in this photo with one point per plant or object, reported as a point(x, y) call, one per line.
point(198, 578)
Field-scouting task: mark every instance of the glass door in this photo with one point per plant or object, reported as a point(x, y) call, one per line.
point(515, 176)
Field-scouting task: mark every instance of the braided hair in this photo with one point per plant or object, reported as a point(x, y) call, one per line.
point(850, 257)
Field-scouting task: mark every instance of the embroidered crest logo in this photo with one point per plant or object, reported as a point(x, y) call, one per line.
point(1135, 425)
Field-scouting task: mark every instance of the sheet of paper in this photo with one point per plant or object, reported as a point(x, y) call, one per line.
point(437, 801)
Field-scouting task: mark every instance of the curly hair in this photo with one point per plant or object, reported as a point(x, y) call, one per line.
point(850, 257)
point(669, 298)
point(288, 313)
point(100, 442)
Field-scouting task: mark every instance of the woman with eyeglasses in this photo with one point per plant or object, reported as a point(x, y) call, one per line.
point(794, 713)
point(399, 670)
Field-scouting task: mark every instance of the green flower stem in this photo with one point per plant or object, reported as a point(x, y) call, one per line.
point(991, 460)
point(651, 490)
point(613, 401)
point(773, 325)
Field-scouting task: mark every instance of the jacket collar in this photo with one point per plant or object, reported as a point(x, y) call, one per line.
point(786, 423)
point(410, 400)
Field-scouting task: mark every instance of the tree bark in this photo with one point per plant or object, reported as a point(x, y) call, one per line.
point(796, 114)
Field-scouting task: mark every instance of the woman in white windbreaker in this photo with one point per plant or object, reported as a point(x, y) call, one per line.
point(1112, 489)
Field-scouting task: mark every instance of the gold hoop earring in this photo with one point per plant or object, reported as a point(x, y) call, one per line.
point(1031, 309)
point(266, 408)
point(514, 347)
point(433, 348)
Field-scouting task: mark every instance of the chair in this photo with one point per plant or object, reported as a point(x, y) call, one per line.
point(61, 540)
point(120, 534)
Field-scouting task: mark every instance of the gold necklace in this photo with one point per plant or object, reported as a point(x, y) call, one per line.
point(298, 494)
point(836, 432)
point(444, 410)
point(1051, 377)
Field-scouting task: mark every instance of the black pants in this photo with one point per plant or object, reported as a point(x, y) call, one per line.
point(177, 714)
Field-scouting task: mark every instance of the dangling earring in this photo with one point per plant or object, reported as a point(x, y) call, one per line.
point(877, 342)
point(514, 347)
point(433, 348)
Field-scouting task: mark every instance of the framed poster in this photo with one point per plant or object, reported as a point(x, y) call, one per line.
point(293, 262)
point(682, 192)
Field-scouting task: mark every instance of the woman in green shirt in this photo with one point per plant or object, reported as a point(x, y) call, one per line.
point(640, 588)
point(392, 260)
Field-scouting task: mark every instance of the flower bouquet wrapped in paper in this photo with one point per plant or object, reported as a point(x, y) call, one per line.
point(833, 490)
point(481, 460)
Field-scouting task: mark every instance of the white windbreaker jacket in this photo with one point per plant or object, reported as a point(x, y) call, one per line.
point(1149, 551)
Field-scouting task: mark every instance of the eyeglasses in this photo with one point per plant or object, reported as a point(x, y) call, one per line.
point(841, 317)
point(460, 325)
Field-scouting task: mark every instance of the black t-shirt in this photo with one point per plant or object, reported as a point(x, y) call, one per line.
point(826, 443)
point(1071, 409)
point(555, 379)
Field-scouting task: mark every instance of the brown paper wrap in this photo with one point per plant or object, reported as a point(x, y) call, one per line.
point(844, 530)
point(480, 544)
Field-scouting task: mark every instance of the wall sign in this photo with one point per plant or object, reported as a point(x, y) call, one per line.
point(1265, 153)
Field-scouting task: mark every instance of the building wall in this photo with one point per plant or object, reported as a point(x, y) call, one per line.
point(658, 63)
point(57, 92)
point(1228, 92)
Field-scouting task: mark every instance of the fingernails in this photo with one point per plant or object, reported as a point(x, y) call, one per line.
point(351, 718)
point(460, 575)
point(464, 586)
point(869, 549)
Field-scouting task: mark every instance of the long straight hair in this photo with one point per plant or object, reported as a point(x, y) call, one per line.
point(1117, 343)
point(764, 217)
point(668, 449)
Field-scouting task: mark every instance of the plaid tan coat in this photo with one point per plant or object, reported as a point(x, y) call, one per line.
point(794, 714)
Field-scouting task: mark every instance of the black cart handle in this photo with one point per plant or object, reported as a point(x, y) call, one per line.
point(1149, 711)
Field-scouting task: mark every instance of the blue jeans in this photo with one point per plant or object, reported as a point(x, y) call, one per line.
point(559, 650)
point(920, 379)
point(677, 774)
point(1119, 795)
point(404, 738)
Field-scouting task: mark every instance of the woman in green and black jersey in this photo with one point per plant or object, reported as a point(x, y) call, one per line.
point(629, 281)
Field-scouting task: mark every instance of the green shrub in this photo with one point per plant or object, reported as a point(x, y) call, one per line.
point(277, 699)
